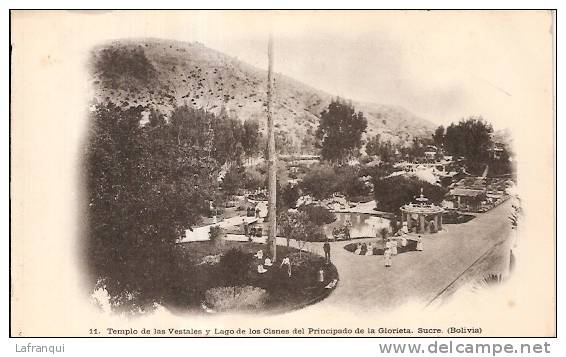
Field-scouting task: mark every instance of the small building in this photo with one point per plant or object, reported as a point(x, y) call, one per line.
point(430, 153)
point(422, 217)
point(467, 198)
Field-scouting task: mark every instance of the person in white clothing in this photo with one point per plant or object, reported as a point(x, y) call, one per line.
point(393, 247)
point(261, 269)
point(268, 262)
point(259, 254)
point(321, 275)
point(370, 249)
point(358, 249)
point(387, 256)
point(419, 244)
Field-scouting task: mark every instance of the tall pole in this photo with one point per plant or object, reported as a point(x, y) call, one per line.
point(271, 163)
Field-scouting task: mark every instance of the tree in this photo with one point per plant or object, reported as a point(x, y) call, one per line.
point(254, 179)
point(470, 138)
point(234, 180)
point(320, 182)
point(144, 187)
point(289, 196)
point(229, 139)
point(438, 137)
point(348, 182)
point(235, 266)
point(318, 214)
point(298, 226)
point(156, 118)
point(393, 192)
point(373, 145)
point(384, 149)
point(250, 137)
point(340, 131)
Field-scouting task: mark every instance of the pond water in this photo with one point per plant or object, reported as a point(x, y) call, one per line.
point(362, 224)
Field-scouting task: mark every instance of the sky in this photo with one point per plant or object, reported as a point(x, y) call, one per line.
point(441, 65)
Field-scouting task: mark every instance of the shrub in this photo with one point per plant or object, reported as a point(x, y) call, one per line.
point(341, 232)
point(210, 259)
point(318, 214)
point(289, 196)
point(246, 298)
point(233, 180)
point(215, 233)
point(298, 226)
point(253, 179)
point(235, 266)
point(320, 182)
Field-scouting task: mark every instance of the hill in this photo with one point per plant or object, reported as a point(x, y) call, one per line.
point(161, 74)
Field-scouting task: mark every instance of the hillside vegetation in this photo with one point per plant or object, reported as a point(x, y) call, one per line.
point(162, 74)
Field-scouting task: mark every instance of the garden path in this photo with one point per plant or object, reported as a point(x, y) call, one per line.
point(422, 277)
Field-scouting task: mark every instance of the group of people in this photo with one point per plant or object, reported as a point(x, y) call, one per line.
point(365, 249)
point(266, 263)
point(391, 247)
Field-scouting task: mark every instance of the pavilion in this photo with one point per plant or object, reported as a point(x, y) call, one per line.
point(420, 215)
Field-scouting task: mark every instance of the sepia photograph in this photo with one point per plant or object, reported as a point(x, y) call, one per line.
point(282, 173)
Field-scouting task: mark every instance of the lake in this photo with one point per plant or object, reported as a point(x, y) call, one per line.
point(362, 224)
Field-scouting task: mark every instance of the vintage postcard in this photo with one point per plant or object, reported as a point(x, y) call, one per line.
point(282, 173)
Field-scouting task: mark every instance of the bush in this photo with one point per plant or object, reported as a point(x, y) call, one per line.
point(233, 180)
point(341, 232)
point(298, 226)
point(393, 192)
point(349, 183)
point(320, 182)
point(210, 259)
point(245, 298)
point(235, 266)
point(289, 196)
point(318, 214)
point(253, 179)
point(215, 233)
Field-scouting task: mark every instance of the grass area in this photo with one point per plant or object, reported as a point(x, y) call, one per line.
point(379, 247)
point(284, 293)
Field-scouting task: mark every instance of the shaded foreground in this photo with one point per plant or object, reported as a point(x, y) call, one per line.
point(282, 293)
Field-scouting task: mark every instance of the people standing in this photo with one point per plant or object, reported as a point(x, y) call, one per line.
point(286, 261)
point(419, 244)
point(246, 230)
point(369, 249)
point(393, 247)
point(403, 241)
point(387, 256)
point(321, 275)
point(326, 248)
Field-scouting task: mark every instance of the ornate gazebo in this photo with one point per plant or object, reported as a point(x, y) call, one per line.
point(417, 215)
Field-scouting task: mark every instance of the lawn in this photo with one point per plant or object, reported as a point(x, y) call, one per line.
point(282, 293)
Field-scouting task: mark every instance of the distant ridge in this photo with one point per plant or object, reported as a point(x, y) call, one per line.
point(160, 74)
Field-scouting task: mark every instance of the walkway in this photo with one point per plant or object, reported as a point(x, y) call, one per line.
point(448, 258)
